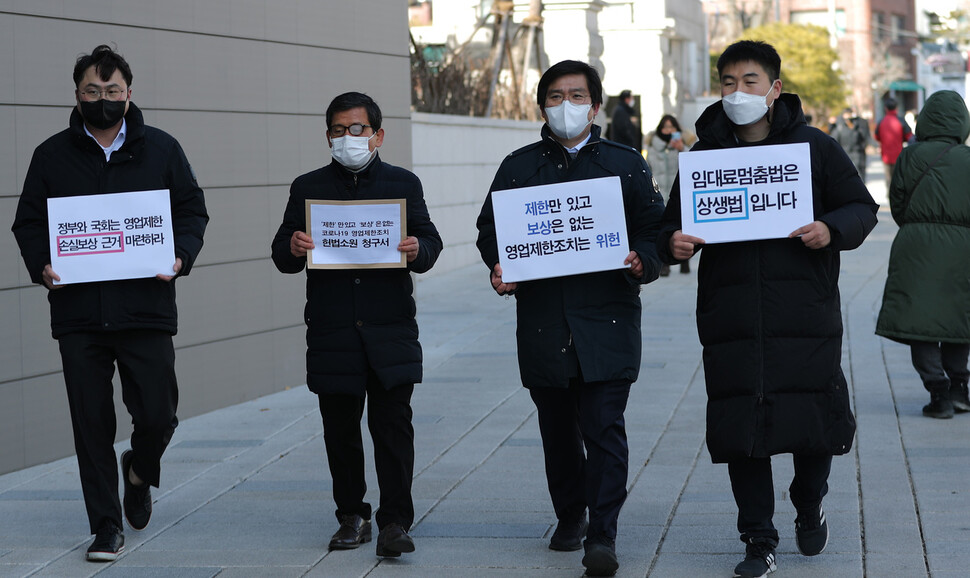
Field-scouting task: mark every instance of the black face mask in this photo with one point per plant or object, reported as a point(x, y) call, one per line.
point(103, 114)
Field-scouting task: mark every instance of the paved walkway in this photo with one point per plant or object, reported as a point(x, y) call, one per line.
point(246, 491)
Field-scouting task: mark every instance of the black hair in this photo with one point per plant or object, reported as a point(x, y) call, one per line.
point(565, 68)
point(105, 62)
point(625, 94)
point(664, 119)
point(751, 51)
point(351, 100)
point(890, 103)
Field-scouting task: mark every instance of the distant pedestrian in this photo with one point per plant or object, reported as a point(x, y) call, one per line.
point(768, 314)
point(926, 303)
point(664, 145)
point(578, 336)
point(362, 338)
point(891, 132)
point(852, 132)
point(625, 124)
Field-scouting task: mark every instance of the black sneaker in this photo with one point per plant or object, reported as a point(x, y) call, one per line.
point(759, 561)
point(108, 544)
point(138, 499)
point(811, 531)
point(959, 396)
point(568, 536)
point(600, 559)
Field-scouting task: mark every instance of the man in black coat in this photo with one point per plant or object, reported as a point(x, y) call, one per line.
point(578, 336)
point(109, 149)
point(625, 124)
point(768, 313)
point(362, 338)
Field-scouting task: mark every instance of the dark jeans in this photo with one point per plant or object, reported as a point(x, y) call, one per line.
point(389, 421)
point(939, 363)
point(586, 453)
point(754, 491)
point(146, 365)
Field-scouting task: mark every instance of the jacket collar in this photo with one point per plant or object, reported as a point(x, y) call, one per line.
point(553, 145)
point(134, 139)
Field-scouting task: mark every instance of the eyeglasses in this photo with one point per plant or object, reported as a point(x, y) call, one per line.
point(356, 129)
point(109, 93)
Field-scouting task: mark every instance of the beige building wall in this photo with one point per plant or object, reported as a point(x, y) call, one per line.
point(243, 85)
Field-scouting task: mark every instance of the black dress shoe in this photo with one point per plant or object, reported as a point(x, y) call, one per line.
point(600, 559)
point(393, 540)
point(568, 536)
point(353, 532)
point(138, 499)
point(107, 545)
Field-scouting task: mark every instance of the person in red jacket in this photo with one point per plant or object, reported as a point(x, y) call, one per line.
point(891, 132)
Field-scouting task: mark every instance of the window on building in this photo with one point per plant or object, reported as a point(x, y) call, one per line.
point(878, 26)
point(820, 18)
point(896, 27)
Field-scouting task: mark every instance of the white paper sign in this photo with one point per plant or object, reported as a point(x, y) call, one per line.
point(746, 193)
point(356, 234)
point(111, 236)
point(562, 229)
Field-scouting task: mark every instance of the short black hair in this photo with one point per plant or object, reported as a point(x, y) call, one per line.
point(105, 62)
point(751, 51)
point(351, 100)
point(664, 119)
point(625, 94)
point(565, 68)
point(890, 103)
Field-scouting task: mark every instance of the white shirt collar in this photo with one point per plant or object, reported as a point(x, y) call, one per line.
point(116, 144)
point(576, 148)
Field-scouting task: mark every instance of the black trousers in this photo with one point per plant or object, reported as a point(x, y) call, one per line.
point(146, 365)
point(389, 421)
point(586, 453)
point(754, 491)
point(939, 363)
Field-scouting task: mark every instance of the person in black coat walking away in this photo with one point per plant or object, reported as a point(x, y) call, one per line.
point(362, 338)
point(578, 336)
point(108, 148)
point(768, 314)
point(625, 124)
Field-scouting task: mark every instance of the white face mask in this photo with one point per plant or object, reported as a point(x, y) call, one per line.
point(568, 120)
point(743, 108)
point(352, 152)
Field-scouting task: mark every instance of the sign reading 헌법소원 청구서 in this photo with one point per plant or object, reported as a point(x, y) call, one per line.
point(746, 193)
point(111, 236)
point(356, 234)
point(562, 229)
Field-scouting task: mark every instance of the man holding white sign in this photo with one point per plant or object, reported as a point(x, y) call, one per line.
point(123, 316)
point(768, 309)
point(578, 330)
point(362, 338)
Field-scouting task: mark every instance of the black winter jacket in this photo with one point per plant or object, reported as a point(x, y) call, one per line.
point(768, 312)
point(598, 314)
point(71, 163)
point(359, 319)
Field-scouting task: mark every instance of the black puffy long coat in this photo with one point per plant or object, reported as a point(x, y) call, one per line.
point(359, 319)
point(598, 314)
point(71, 163)
point(769, 314)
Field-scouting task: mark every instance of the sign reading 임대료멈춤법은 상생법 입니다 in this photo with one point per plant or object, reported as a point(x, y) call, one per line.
point(356, 234)
point(561, 229)
point(111, 236)
point(746, 193)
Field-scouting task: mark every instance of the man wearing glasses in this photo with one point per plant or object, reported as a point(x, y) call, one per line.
point(109, 149)
point(362, 338)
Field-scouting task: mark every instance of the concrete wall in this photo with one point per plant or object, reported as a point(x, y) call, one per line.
point(456, 158)
point(243, 85)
